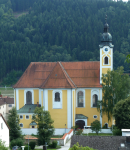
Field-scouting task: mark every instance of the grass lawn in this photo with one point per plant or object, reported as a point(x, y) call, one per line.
point(54, 136)
point(7, 91)
point(99, 134)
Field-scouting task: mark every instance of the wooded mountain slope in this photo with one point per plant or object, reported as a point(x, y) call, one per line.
point(60, 30)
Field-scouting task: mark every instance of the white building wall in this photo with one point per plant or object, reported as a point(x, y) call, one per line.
point(4, 133)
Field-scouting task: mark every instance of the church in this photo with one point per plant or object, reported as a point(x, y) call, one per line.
point(68, 90)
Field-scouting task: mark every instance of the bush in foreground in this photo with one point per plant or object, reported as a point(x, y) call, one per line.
point(32, 144)
point(2, 146)
point(19, 142)
point(78, 147)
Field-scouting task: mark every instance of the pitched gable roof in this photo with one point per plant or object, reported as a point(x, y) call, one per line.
point(6, 101)
point(58, 78)
point(4, 120)
point(60, 75)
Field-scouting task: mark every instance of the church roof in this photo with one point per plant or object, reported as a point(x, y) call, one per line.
point(60, 75)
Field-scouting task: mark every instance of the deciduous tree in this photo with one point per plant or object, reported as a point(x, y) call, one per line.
point(96, 126)
point(45, 125)
point(115, 87)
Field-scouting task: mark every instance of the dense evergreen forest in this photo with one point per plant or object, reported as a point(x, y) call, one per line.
point(59, 30)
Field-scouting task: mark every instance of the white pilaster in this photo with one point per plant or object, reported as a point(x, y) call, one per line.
point(40, 96)
point(72, 106)
point(45, 99)
point(69, 107)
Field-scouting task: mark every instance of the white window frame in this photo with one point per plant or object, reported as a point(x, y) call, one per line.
point(82, 90)
point(104, 60)
point(20, 124)
point(96, 116)
point(57, 105)
point(26, 117)
point(94, 91)
point(21, 115)
point(10, 105)
point(28, 90)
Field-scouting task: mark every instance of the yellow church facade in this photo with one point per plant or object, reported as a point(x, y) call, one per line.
point(68, 90)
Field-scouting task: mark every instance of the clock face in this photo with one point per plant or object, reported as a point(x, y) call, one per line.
point(106, 49)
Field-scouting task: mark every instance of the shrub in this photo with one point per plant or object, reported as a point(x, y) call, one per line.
point(116, 131)
point(2, 145)
point(104, 127)
point(96, 126)
point(78, 147)
point(78, 131)
point(54, 144)
point(32, 144)
point(26, 147)
point(18, 142)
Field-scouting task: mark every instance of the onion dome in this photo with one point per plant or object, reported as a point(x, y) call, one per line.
point(106, 38)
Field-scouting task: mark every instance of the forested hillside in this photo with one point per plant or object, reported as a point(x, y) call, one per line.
point(60, 30)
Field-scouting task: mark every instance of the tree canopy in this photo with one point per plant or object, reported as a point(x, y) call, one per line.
point(67, 30)
point(96, 126)
point(121, 113)
point(13, 122)
point(45, 125)
point(115, 87)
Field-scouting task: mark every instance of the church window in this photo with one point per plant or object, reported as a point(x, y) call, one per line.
point(21, 125)
point(57, 97)
point(106, 60)
point(80, 99)
point(29, 97)
point(95, 100)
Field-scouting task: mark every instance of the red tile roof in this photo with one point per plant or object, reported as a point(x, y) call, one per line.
point(60, 75)
point(6, 101)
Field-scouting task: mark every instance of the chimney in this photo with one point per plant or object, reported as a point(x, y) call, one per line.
point(29, 110)
point(37, 104)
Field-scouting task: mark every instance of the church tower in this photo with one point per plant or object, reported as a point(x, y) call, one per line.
point(106, 51)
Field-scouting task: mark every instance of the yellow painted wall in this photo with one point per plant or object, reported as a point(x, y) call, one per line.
point(42, 98)
point(105, 120)
point(36, 96)
point(104, 70)
point(26, 122)
point(58, 115)
point(87, 110)
point(21, 98)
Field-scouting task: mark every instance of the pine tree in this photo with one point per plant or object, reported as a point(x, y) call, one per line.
point(13, 122)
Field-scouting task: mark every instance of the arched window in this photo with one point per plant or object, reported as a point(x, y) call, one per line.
point(106, 60)
point(80, 99)
point(57, 97)
point(106, 125)
point(21, 125)
point(28, 97)
point(95, 100)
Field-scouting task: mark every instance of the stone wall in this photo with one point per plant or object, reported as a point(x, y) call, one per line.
point(99, 142)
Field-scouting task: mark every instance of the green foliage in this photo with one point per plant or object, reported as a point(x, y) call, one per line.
point(78, 131)
point(53, 144)
point(2, 146)
point(45, 125)
point(19, 142)
point(74, 128)
point(69, 32)
point(78, 147)
point(104, 127)
point(121, 113)
point(115, 86)
point(26, 147)
point(96, 126)
point(32, 144)
point(116, 131)
point(11, 78)
point(13, 122)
